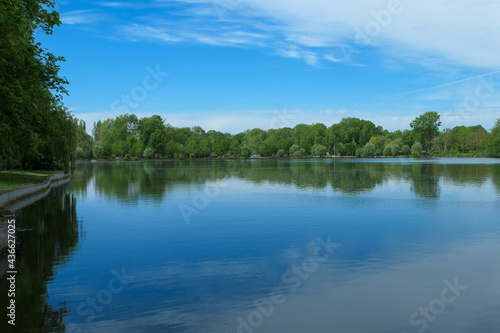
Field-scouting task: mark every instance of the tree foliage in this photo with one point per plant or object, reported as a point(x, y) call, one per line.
point(125, 136)
point(416, 149)
point(494, 144)
point(369, 150)
point(35, 129)
point(426, 127)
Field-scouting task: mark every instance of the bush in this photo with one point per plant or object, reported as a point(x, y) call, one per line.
point(416, 149)
point(359, 152)
point(302, 152)
point(148, 153)
point(191, 156)
point(395, 149)
point(280, 153)
point(369, 150)
point(181, 149)
point(387, 151)
point(98, 151)
point(320, 150)
point(293, 149)
point(79, 154)
point(406, 150)
point(340, 149)
point(181, 156)
point(313, 150)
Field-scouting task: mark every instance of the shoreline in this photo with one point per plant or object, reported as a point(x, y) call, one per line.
point(272, 158)
point(16, 199)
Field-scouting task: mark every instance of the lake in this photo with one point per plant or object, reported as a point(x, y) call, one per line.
point(323, 245)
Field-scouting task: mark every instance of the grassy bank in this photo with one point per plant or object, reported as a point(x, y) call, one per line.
point(11, 180)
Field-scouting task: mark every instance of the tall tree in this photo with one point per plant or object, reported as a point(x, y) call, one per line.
point(31, 114)
point(425, 128)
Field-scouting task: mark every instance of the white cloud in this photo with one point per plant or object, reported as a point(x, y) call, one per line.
point(139, 32)
point(297, 53)
point(464, 32)
point(80, 17)
point(435, 33)
point(331, 58)
point(111, 4)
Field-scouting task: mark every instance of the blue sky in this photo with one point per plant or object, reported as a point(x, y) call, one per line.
point(232, 65)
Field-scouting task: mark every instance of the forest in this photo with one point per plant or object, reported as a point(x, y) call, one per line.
point(128, 138)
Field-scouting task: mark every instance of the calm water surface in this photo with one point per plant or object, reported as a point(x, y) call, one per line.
point(393, 245)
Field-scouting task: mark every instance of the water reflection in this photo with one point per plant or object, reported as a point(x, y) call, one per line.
point(403, 227)
point(47, 236)
point(128, 182)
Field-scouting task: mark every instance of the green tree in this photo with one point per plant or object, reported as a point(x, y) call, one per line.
point(171, 150)
point(426, 127)
point(303, 137)
point(446, 137)
point(191, 146)
point(463, 138)
point(394, 149)
point(98, 152)
point(34, 125)
point(369, 150)
point(494, 142)
point(137, 148)
point(407, 137)
point(354, 129)
point(406, 150)
point(234, 147)
point(96, 131)
point(253, 139)
point(350, 148)
point(157, 141)
point(340, 149)
point(416, 149)
point(149, 153)
point(180, 149)
point(245, 152)
point(79, 153)
point(205, 148)
point(379, 142)
point(219, 143)
point(83, 141)
point(320, 150)
point(147, 126)
point(294, 149)
point(387, 151)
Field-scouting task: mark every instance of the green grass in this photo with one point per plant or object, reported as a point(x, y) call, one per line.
point(10, 180)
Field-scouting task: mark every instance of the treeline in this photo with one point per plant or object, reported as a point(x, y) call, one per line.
point(128, 138)
point(36, 130)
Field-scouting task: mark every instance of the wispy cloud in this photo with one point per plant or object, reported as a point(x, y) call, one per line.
point(468, 27)
point(111, 4)
point(141, 32)
point(440, 32)
point(297, 53)
point(80, 17)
